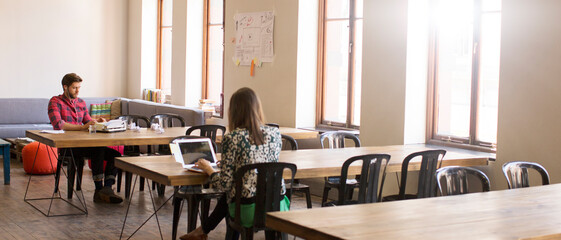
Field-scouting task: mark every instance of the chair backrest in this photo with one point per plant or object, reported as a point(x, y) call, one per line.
point(192, 137)
point(373, 166)
point(268, 192)
point(516, 174)
point(289, 142)
point(273, 125)
point(208, 130)
point(140, 121)
point(456, 179)
point(431, 160)
point(167, 120)
point(336, 139)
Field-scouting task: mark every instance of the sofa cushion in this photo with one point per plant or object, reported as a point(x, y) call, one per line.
point(102, 110)
point(18, 130)
point(116, 109)
point(97, 100)
point(24, 110)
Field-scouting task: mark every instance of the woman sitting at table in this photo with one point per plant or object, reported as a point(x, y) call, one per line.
point(249, 141)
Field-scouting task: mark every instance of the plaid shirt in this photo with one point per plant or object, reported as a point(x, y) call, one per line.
point(62, 109)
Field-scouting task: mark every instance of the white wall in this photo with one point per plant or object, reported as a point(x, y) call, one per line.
point(383, 76)
point(416, 71)
point(529, 116)
point(194, 66)
point(41, 41)
point(274, 82)
point(178, 53)
point(308, 23)
point(142, 46)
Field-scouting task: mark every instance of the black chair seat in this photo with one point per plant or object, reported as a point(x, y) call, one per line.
point(195, 196)
point(371, 179)
point(139, 121)
point(267, 198)
point(295, 186)
point(426, 187)
point(396, 197)
point(335, 181)
point(188, 190)
point(453, 180)
point(517, 175)
point(336, 139)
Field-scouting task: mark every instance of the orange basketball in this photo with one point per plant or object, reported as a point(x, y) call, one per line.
point(46, 158)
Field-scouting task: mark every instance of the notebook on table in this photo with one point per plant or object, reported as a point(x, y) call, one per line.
point(189, 151)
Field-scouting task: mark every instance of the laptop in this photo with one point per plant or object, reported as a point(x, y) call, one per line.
point(189, 151)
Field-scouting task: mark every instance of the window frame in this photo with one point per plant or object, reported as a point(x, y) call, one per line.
point(320, 113)
point(159, 45)
point(207, 24)
point(432, 136)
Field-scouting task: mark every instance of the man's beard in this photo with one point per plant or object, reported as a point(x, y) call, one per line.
point(71, 96)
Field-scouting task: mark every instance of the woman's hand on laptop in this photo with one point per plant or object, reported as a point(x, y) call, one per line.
point(205, 166)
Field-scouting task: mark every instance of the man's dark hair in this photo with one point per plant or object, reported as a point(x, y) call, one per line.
point(70, 78)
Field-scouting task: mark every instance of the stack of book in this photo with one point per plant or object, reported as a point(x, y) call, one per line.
point(206, 105)
point(153, 95)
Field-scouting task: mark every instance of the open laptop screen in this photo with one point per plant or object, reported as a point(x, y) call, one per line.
point(188, 151)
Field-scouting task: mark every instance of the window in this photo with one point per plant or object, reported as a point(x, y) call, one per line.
point(465, 71)
point(340, 55)
point(164, 46)
point(213, 56)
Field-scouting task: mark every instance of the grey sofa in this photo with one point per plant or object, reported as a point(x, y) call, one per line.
point(20, 114)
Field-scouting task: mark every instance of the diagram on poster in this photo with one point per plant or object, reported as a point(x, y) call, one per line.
point(254, 37)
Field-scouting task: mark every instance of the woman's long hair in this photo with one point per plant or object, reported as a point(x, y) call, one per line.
point(245, 112)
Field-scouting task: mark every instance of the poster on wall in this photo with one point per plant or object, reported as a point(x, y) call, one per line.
point(254, 38)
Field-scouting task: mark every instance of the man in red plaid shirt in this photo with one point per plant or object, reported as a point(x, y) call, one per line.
point(69, 113)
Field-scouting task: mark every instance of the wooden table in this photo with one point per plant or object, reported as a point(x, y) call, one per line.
point(311, 163)
point(296, 133)
point(507, 214)
point(71, 139)
point(142, 137)
point(5, 150)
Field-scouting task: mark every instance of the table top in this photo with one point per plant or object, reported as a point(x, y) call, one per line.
point(507, 214)
point(85, 139)
point(142, 137)
point(3, 142)
point(311, 163)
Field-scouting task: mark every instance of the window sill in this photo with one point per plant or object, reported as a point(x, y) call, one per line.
point(462, 146)
point(322, 128)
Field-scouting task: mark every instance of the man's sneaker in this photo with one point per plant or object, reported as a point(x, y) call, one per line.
point(106, 195)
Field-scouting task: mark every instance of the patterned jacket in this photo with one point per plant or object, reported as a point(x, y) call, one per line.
point(238, 151)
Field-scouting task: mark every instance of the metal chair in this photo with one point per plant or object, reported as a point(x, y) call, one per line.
point(456, 179)
point(516, 174)
point(165, 120)
point(209, 131)
point(336, 139)
point(194, 195)
point(373, 166)
point(273, 125)
point(140, 121)
point(289, 143)
point(267, 198)
point(431, 160)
